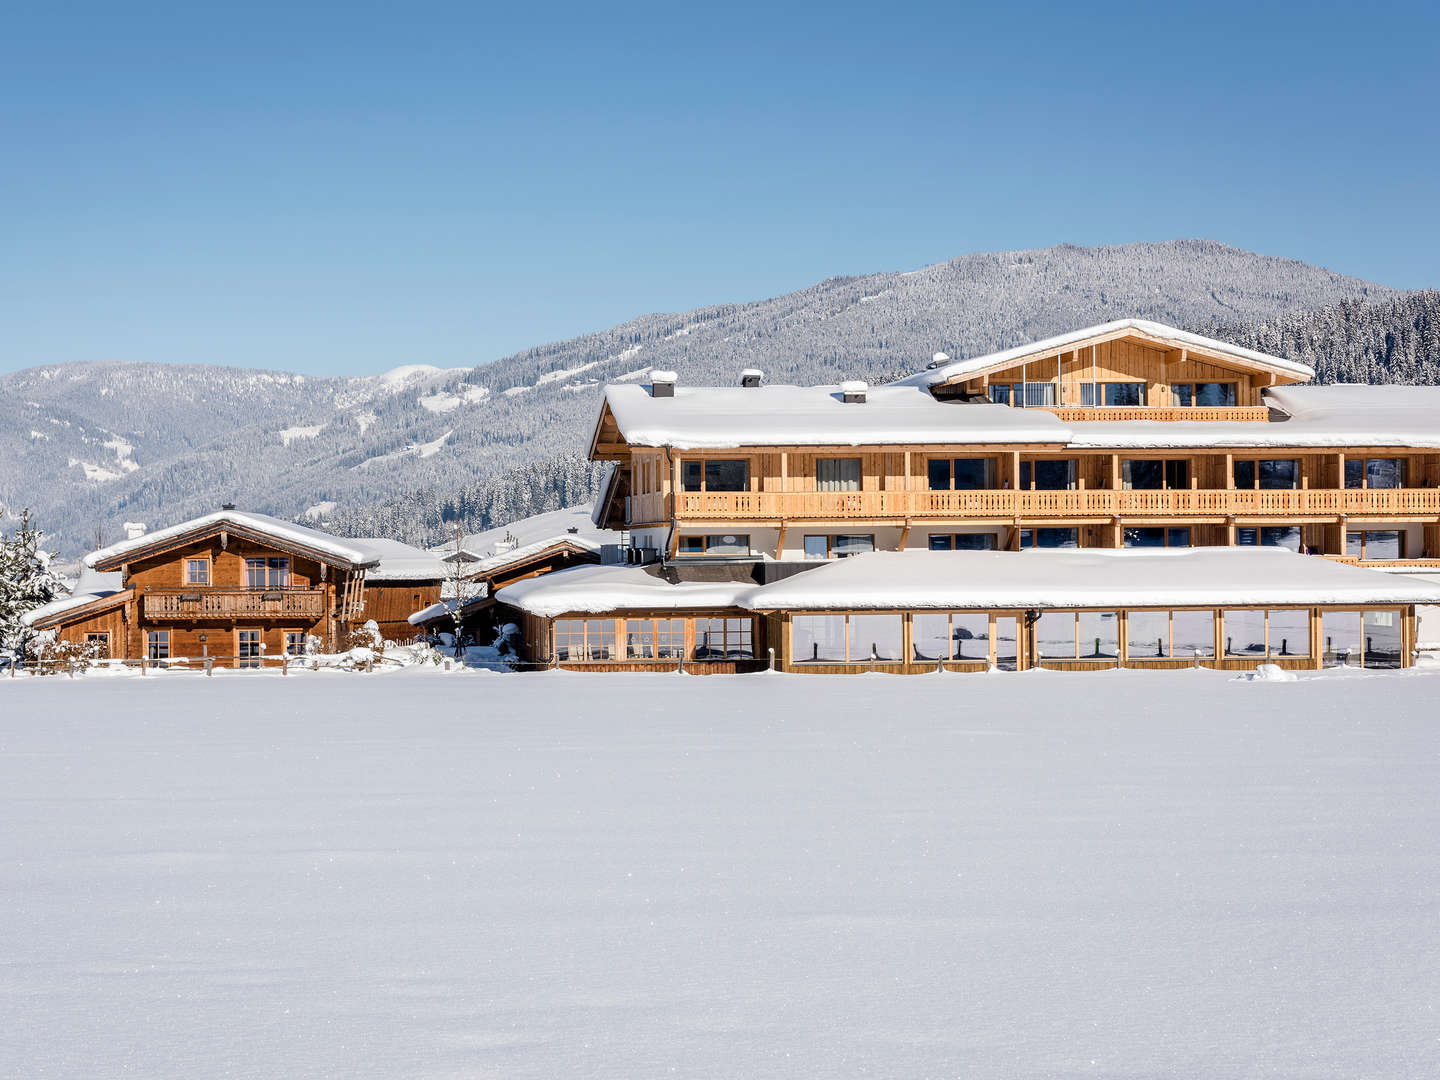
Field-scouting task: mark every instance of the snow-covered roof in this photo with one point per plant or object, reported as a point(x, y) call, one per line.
point(713, 417)
point(521, 540)
point(612, 588)
point(1087, 577)
point(1007, 357)
point(400, 562)
point(352, 552)
point(92, 585)
point(982, 580)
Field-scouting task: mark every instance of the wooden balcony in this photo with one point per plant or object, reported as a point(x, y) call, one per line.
point(1072, 414)
point(1314, 503)
point(201, 604)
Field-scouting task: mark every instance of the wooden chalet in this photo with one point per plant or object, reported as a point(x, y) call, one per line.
point(1132, 439)
point(236, 586)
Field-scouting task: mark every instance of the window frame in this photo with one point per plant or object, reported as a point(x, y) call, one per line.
point(244, 658)
point(157, 646)
point(706, 541)
point(835, 462)
point(202, 561)
point(93, 637)
point(990, 466)
point(1364, 534)
point(704, 465)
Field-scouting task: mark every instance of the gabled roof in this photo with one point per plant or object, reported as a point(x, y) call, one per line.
point(1157, 333)
point(520, 541)
point(286, 535)
point(92, 588)
point(612, 588)
point(400, 561)
point(723, 417)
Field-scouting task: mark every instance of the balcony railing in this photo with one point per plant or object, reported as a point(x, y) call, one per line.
point(209, 602)
point(1072, 414)
point(999, 503)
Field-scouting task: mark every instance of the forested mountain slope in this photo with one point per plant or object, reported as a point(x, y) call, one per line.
point(89, 446)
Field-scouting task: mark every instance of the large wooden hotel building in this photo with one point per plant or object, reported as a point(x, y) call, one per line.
point(1125, 495)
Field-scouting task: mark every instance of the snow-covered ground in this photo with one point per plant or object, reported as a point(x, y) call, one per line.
point(429, 874)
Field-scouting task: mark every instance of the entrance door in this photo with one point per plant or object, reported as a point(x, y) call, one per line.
point(247, 648)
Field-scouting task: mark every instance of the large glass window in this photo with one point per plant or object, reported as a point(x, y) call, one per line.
point(1375, 544)
point(1049, 475)
point(962, 541)
point(1192, 633)
point(837, 474)
point(875, 637)
point(930, 635)
point(818, 638)
point(1055, 635)
point(1049, 538)
point(640, 639)
point(716, 474)
point(1007, 641)
point(1382, 639)
point(1341, 635)
point(1375, 472)
point(961, 474)
point(600, 639)
point(716, 544)
point(1099, 635)
point(268, 573)
point(568, 639)
point(1155, 475)
point(724, 639)
point(1244, 632)
point(1285, 536)
point(1203, 395)
point(837, 547)
point(817, 547)
point(1267, 474)
point(1033, 394)
point(1156, 537)
point(1147, 635)
point(1124, 394)
point(1289, 632)
point(157, 644)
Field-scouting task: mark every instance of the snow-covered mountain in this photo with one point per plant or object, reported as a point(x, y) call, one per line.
point(91, 445)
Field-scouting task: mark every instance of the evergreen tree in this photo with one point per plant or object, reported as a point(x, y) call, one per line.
point(26, 581)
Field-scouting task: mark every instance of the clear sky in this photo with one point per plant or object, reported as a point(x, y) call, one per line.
point(345, 188)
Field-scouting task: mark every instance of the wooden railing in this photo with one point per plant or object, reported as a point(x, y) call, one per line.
point(219, 603)
point(1071, 414)
point(864, 505)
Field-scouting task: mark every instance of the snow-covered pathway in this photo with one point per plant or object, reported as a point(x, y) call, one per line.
point(420, 875)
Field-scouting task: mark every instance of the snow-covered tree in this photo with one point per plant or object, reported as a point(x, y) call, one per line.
point(26, 581)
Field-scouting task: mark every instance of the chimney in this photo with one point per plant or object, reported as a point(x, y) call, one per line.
point(227, 506)
point(134, 529)
point(853, 392)
point(750, 377)
point(662, 383)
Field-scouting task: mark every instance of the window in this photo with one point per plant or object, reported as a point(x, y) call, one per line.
point(716, 544)
point(1360, 639)
point(1203, 395)
point(600, 639)
point(568, 637)
point(197, 571)
point(1050, 475)
point(1375, 472)
point(715, 475)
point(962, 635)
point(157, 645)
point(1375, 544)
point(818, 639)
point(1147, 635)
point(1289, 632)
point(1055, 635)
point(961, 474)
point(98, 646)
point(837, 547)
point(1192, 633)
point(247, 648)
point(876, 637)
point(1156, 537)
point(1049, 538)
point(1157, 475)
point(724, 639)
point(1382, 639)
point(1007, 642)
point(837, 474)
point(268, 573)
point(1244, 633)
point(1112, 394)
point(1032, 394)
point(1099, 635)
point(654, 639)
point(1267, 474)
point(962, 541)
point(295, 642)
point(1286, 536)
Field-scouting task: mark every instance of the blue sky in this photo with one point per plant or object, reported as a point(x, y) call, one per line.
point(345, 188)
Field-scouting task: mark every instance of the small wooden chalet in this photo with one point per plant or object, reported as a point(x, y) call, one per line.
point(235, 586)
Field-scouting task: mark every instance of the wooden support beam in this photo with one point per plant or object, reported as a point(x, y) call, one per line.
point(780, 541)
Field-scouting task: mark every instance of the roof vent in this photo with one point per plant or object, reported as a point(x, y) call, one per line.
point(662, 383)
point(853, 392)
point(134, 530)
point(750, 377)
point(574, 530)
point(227, 506)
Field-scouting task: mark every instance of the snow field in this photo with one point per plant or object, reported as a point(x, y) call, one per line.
point(1042, 875)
